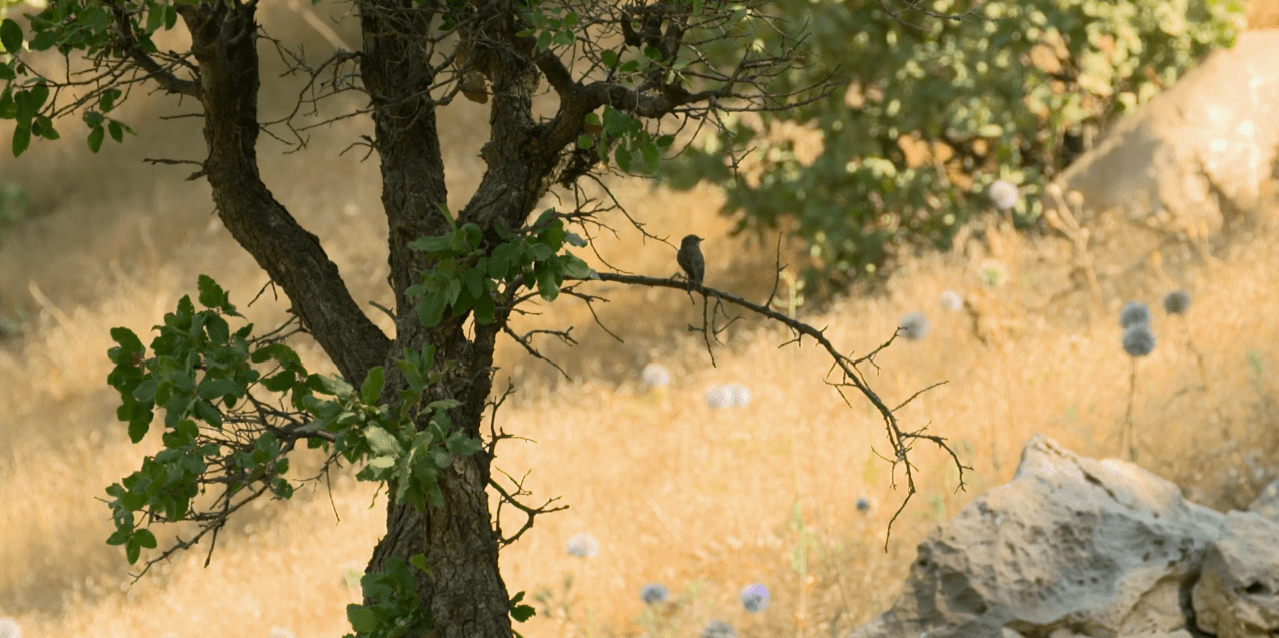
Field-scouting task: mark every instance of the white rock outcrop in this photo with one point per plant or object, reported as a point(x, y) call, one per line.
point(1083, 547)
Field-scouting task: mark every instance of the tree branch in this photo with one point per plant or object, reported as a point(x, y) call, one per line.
point(902, 441)
point(223, 39)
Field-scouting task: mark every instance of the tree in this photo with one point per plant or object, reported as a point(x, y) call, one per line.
point(409, 409)
point(937, 110)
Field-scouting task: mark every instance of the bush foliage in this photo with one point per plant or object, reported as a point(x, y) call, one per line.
point(938, 108)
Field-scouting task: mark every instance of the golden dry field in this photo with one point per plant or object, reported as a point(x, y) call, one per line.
point(705, 501)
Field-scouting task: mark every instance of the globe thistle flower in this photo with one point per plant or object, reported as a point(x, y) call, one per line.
point(915, 326)
point(863, 505)
point(655, 375)
point(951, 300)
point(9, 628)
point(583, 546)
point(654, 593)
point(718, 397)
point(1177, 302)
point(1133, 313)
point(1003, 194)
point(755, 598)
point(728, 396)
point(719, 629)
point(1139, 340)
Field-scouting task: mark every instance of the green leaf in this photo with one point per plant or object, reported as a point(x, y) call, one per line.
point(219, 331)
point(45, 40)
point(521, 613)
point(575, 268)
point(474, 278)
point(382, 462)
point(211, 294)
point(207, 413)
point(25, 108)
point(464, 446)
point(363, 620)
point(441, 458)
point(95, 138)
point(21, 139)
point(371, 391)
point(585, 141)
point(210, 389)
point(418, 561)
point(382, 442)
point(39, 95)
point(484, 309)
point(11, 36)
point(430, 309)
point(623, 157)
point(155, 17)
point(431, 244)
point(443, 404)
point(46, 126)
point(138, 429)
point(145, 538)
point(117, 133)
point(118, 537)
point(505, 258)
point(145, 392)
point(651, 156)
point(547, 286)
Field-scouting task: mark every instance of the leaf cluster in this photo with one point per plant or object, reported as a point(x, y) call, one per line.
point(397, 609)
point(220, 431)
point(465, 276)
point(92, 29)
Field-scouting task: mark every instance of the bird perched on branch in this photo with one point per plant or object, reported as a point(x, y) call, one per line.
point(691, 260)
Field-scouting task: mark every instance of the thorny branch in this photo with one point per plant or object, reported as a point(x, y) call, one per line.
point(850, 376)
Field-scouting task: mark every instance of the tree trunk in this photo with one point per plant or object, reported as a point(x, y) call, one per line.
point(462, 588)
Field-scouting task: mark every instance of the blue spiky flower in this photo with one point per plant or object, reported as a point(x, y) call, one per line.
point(915, 326)
point(1133, 313)
point(952, 301)
point(654, 593)
point(755, 598)
point(719, 629)
point(1139, 340)
point(1177, 302)
point(583, 546)
point(656, 375)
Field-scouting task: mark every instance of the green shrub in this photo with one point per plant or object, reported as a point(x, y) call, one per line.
point(938, 109)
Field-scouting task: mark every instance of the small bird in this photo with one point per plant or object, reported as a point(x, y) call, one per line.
point(691, 260)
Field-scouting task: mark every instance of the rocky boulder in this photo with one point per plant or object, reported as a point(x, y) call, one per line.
point(1193, 157)
point(1084, 547)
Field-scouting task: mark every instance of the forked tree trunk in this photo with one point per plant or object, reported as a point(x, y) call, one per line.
point(464, 590)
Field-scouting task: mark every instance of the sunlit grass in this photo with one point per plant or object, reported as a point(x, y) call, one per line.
point(704, 499)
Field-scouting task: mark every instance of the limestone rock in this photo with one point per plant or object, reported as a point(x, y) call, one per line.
point(1267, 503)
point(1237, 595)
point(1192, 157)
point(1073, 546)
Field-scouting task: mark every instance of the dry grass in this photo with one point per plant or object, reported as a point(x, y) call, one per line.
point(705, 501)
